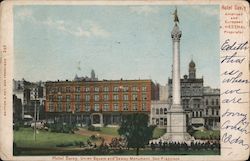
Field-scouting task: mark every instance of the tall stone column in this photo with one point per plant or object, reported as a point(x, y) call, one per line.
point(176, 116)
point(176, 35)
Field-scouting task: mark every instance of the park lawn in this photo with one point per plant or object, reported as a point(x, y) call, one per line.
point(113, 131)
point(207, 134)
point(24, 137)
point(158, 132)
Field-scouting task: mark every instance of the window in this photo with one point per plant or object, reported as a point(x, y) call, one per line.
point(135, 107)
point(59, 98)
point(144, 107)
point(59, 106)
point(125, 88)
point(161, 111)
point(59, 89)
point(106, 97)
point(87, 97)
point(217, 101)
point(116, 89)
point(78, 89)
point(212, 111)
point(135, 88)
point(193, 114)
point(68, 107)
point(125, 97)
point(165, 121)
point(144, 96)
point(106, 107)
point(134, 97)
point(165, 110)
point(206, 111)
point(51, 98)
point(200, 113)
point(67, 89)
point(157, 121)
point(96, 97)
point(87, 107)
point(96, 107)
point(144, 88)
point(212, 101)
point(115, 97)
point(77, 97)
point(197, 114)
point(106, 89)
point(206, 101)
point(96, 89)
point(77, 107)
point(54, 90)
point(115, 107)
point(51, 107)
point(67, 98)
point(87, 89)
point(125, 106)
point(157, 111)
point(217, 112)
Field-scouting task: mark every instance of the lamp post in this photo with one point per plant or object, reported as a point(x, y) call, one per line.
point(38, 111)
point(72, 113)
point(35, 114)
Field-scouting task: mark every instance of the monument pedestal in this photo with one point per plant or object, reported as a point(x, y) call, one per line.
point(176, 130)
point(176, 137)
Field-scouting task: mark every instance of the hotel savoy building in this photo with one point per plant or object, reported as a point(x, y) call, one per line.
point(87, 100)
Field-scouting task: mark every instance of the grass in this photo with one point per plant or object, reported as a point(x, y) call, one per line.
point(207, 134)
point(24, 137)
point(48, 140)
point(113, 131)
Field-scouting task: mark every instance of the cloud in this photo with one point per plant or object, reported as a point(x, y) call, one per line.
point(98, 31)
point(85, 29)
point(144, 10)
point(210, 11)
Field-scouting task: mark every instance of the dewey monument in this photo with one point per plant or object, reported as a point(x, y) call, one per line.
point(176, 117)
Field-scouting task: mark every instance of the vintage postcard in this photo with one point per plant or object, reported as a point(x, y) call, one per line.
point(124, 80)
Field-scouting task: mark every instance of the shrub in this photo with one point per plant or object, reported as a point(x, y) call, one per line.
point(65, 144)
point(93, 137)
point(16, 126)
point(190, 130)
point(62, 128)
point(93, 128)
point(16, 150)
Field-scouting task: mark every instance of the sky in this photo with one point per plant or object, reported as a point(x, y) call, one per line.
point(128, 42)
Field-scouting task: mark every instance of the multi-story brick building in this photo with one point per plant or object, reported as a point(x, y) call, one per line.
point(97, 102)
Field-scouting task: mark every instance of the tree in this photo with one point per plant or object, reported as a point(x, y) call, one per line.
point(135, 129)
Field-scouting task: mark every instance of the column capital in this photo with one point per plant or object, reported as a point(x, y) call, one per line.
point(176, 33)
